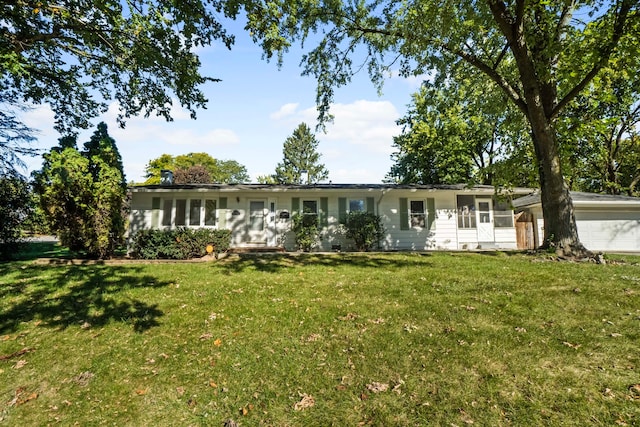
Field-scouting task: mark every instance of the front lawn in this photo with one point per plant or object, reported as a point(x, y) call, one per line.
point(485, 339)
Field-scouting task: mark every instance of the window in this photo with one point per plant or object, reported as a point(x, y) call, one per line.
point(466, 211)
point(503, 214)
point(309, 212)
point(175, 211)
point(210, 212)
point(166, 212)
point(194, 211)
point(181, 212)
point(417, 214)
point(356, 205)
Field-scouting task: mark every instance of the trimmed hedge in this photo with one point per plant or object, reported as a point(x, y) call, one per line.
point(179, 243)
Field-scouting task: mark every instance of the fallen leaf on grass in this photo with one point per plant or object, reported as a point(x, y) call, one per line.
point(180, 390)
point(306, 402)
point(635, 391)
point(20, 364)
point(348, 316)
point(465, 417)
point(376, 387)
point(217, 342)
point(16, 353)
point(616, 335)
point(574, 346)
point(18, 399)
point(244, 411)
point(142, 391)
point(206, 336)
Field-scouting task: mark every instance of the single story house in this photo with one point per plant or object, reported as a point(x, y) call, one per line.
point(605, 222)
point(415, 217)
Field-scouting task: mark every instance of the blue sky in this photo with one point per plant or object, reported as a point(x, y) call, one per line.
point(252, 111)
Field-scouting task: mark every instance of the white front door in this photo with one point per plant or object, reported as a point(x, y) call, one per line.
point(257, 221)
point(484, 220)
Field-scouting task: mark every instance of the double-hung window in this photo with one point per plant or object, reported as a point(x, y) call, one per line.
point(417, 214)
point(309, 212)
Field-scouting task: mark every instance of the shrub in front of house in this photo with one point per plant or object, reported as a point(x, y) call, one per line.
point(179, 243)
point(307, 231)
point(365, 228)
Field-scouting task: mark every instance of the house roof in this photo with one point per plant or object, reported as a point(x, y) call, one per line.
point(315, 187)
point(580, 199)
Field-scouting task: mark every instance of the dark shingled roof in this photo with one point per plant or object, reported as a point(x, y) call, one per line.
point(324, 186)
point(578, 198)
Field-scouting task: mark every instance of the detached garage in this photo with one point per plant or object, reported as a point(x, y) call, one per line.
point(605, 222)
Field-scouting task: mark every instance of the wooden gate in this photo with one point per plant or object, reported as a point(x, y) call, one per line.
point(525, 235)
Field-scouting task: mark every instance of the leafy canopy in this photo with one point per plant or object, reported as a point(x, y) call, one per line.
point(78, 56)
point(188, 167)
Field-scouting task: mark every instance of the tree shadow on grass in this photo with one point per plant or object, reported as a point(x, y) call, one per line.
point(63, 296)
point(274, 263)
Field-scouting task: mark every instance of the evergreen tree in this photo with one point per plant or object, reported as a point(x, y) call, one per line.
point(300, 154)
point(82, 194)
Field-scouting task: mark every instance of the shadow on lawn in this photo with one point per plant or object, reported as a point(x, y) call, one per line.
point(274, 263)
point(63, 296)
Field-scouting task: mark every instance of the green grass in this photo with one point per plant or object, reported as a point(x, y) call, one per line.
point(456, 338)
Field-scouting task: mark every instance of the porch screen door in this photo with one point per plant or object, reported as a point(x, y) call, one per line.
point(484, 220)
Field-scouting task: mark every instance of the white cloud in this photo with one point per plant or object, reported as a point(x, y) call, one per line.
point(357, 144)
point(287, 110)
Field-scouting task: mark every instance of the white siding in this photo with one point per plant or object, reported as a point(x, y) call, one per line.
point(444, 234)
point(441, 237)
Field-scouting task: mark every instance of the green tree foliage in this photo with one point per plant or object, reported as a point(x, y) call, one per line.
point(78, 56)
point(15, 139)
point(82, 194)
point(365, 228)
point(458, 131)
point(219, 171)
point(604, 153)
point(14, 209)
point(299, 154)
point(539, 54)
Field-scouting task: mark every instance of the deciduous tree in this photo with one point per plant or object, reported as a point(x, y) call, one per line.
point(219, 171)
point(540, 54)
point(78, 56)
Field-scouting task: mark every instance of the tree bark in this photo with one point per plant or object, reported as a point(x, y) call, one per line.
point(560, 231)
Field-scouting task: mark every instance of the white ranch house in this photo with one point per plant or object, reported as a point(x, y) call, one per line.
point(416, 217)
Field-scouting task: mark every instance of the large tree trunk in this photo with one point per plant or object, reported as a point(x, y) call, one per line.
point(560, 229)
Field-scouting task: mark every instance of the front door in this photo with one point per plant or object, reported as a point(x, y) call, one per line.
point(484, 220)
point(256, 221)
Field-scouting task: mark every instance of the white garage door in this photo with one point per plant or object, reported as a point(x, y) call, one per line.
point(609, 231)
